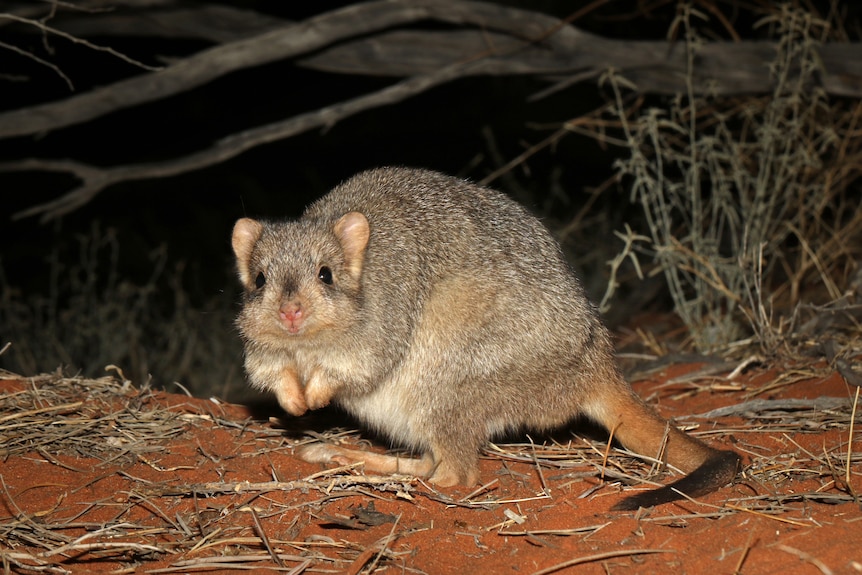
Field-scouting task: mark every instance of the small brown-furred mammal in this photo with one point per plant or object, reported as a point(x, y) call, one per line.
point(441, 314)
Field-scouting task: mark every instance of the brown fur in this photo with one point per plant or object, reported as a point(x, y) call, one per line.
point(441, 314)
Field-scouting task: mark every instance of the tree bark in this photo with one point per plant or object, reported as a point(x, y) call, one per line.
point(513, 41)
point(371, 38)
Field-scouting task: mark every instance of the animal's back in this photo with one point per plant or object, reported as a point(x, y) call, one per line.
point(426, 226)
point(502, 334)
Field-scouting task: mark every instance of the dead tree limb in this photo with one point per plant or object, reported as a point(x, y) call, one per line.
point(94, 179)
point(364, 38)
point(288, 42)
point(217, 23)
point(518, 41)
point(722, 68)
point(206, 66)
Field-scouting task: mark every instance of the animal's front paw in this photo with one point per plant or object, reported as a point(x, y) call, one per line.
point(289, 393)
point(318, 391)
point(294, 404)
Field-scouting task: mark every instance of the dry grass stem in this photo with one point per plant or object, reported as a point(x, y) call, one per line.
point(749, 206)
point(107, 421)
point(599, 557)
point(808, 558)
point(850, 438)
point(562, 532)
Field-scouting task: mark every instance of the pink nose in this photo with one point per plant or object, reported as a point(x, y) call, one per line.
point(291, 315)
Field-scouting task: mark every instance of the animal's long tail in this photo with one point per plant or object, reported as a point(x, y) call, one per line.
point(643, 431)
point(712, 474)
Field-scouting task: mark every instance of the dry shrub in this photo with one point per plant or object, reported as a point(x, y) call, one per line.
point(91, 316)
point(749, 202)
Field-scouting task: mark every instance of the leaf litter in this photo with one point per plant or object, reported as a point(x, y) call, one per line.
point(120, 486)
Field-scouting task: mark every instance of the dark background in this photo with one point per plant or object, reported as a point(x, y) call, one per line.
point(193, 213)
point(191, 216)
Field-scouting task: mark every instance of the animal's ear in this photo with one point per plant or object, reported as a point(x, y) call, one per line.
point(246, 232)
point(352, 231)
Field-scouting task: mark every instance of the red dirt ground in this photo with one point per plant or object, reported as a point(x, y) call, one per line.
point(791, 510)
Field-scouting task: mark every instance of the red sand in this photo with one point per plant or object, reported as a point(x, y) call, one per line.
point(316, 533)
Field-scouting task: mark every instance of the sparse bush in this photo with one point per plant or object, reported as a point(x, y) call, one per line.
point(748, 201)
point(91, 317)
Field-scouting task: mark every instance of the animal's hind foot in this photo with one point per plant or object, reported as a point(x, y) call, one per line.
point(373, 462)
point(441, 473)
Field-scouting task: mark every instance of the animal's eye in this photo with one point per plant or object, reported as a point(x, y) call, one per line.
point(260, 280)
point(325, 275)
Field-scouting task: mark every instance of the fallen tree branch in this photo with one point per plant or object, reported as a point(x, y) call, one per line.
point(95, 179)
point(217, 23)
point(504, 41)
point(758, 406)
point(723, 68)
point(281, 43)
point(520, 41)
